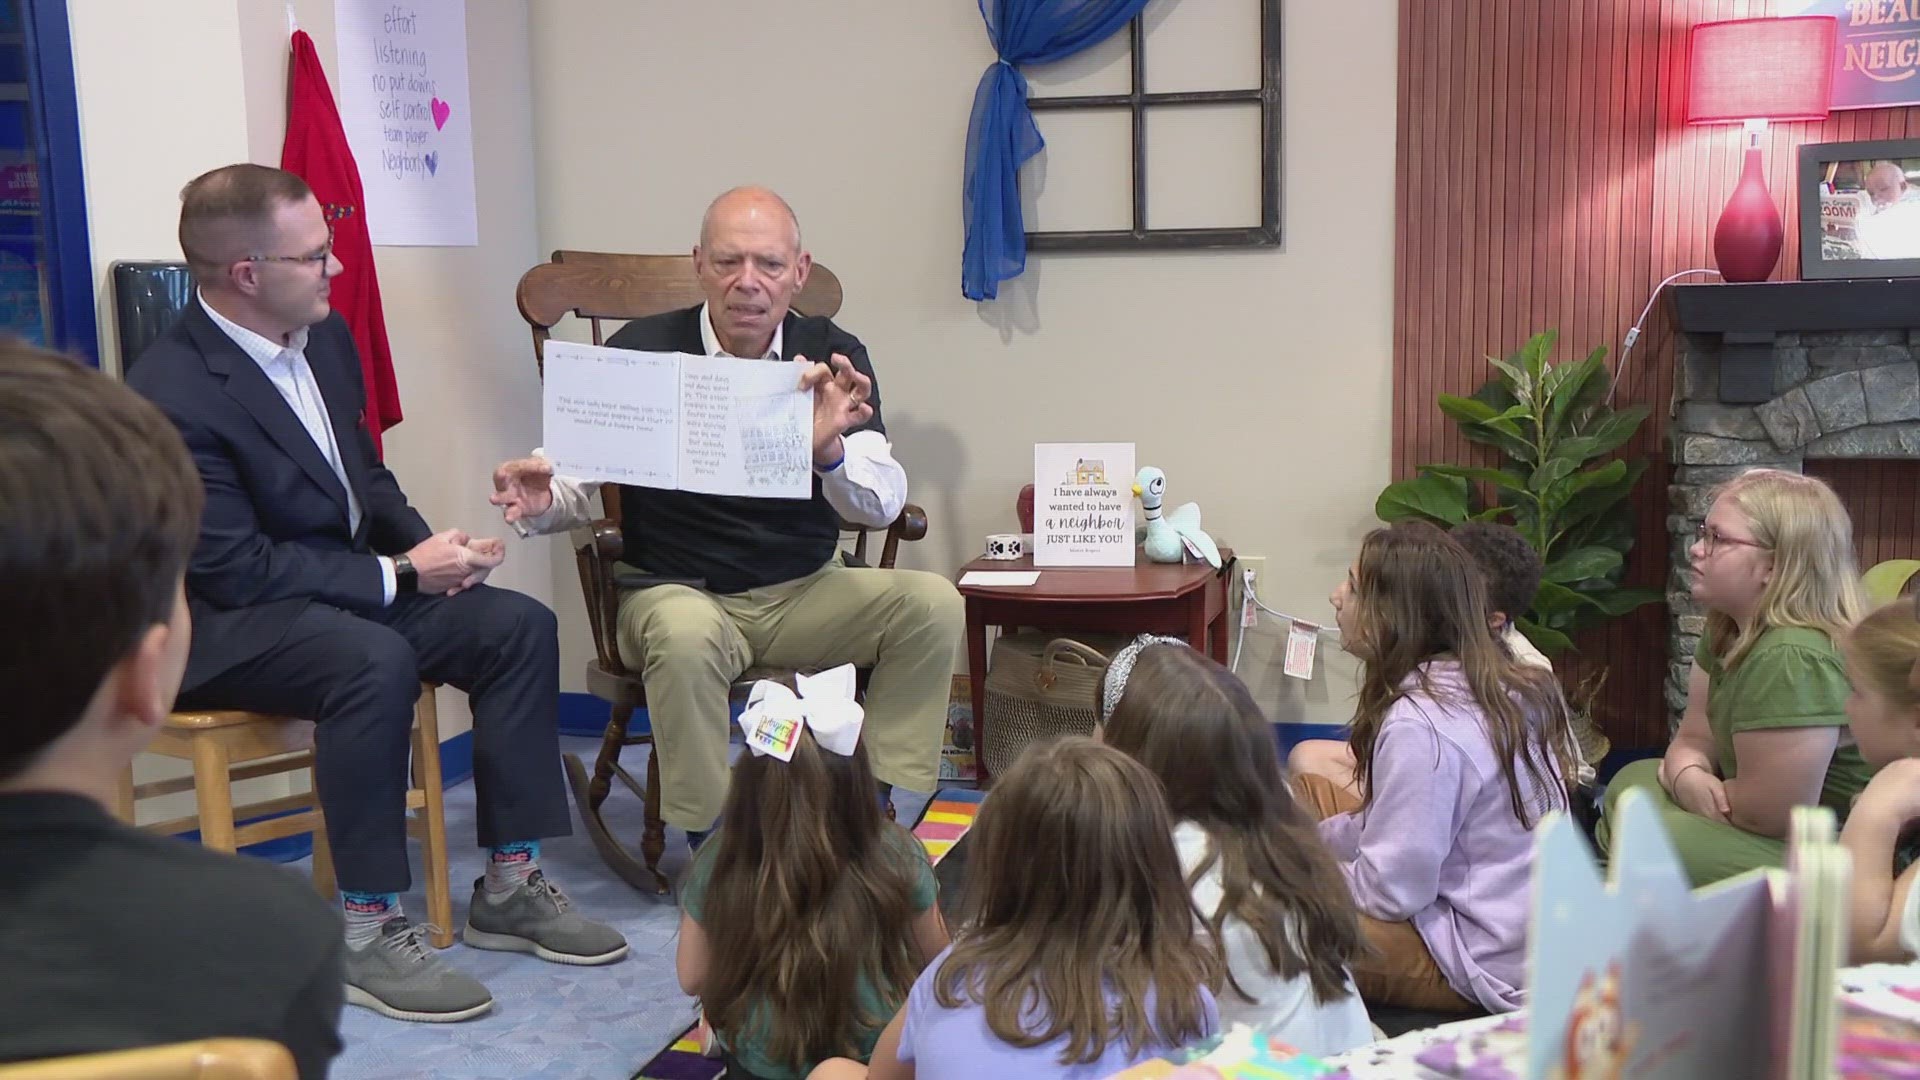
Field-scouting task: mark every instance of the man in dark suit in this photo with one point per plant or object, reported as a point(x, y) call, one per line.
point(112, 938)
point(318, 592)
point(764, 580)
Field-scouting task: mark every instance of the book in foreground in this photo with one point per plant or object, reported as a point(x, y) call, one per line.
point(1879, 1034)
point(1240, 1053)
point(1637, 975)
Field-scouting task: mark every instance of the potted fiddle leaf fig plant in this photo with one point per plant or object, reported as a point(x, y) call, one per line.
point(1557, 484)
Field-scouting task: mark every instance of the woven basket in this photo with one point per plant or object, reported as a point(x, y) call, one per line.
point(1040, 687)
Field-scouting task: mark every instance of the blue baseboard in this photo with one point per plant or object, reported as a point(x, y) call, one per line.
point(456, 767)
point(580, 715)
point(586, 715)
point(284, 850)
point(1288, 735)
point(456, 759)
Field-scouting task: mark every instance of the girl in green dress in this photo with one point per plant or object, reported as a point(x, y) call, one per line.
point(1765, 725)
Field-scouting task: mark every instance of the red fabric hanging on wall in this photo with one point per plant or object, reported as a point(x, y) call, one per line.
point(316, 150)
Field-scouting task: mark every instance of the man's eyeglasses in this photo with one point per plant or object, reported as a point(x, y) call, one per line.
point(1711, 538)
point(318, 258)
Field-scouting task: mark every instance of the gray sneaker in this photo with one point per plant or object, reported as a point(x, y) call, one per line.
point(538, 918)
point(399, 976)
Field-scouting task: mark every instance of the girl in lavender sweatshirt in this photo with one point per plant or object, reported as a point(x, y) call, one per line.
point(1455, 757)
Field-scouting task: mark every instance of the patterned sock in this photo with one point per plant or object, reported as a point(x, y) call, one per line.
point(367, 912)
point(510, 865)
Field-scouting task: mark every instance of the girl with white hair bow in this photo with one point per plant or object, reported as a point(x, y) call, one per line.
point(808, 914)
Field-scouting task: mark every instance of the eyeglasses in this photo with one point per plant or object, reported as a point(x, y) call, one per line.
point(1711, 538)
point(318, 258)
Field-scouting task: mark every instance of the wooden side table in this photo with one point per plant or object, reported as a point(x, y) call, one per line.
point(1186, 600)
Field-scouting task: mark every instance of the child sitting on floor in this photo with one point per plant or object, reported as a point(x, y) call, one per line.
point(1458, 752)
point(1513, 570)
point(808, 914)
point(1270, 896)
point(1078, 957)
point(1883, 711)
point(1765, 724)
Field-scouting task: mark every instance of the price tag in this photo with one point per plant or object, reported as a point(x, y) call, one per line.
point(1301, 642)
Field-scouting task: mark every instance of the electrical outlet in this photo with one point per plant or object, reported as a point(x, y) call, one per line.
point(1244, 564)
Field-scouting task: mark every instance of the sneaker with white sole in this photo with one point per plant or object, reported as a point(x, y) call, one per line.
point(538, 918)
point(397, 975)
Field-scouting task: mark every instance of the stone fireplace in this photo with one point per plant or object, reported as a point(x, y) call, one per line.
point(1778, 374)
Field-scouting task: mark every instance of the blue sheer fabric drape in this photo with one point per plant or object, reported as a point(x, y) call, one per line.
point(1001, 135)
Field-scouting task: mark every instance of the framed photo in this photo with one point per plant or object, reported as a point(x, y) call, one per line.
point(1860, 209)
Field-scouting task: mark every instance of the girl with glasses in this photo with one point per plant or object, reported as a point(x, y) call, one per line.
point(1765, 728)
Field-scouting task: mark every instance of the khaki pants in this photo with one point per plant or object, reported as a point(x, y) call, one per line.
point(1401, 970)
point(690, 646)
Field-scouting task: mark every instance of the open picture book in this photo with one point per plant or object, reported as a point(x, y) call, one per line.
point(1634, 974)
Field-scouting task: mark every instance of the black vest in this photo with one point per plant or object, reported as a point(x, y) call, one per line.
point(734, 542)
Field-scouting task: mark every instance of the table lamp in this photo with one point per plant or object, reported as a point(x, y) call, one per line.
point(1753, 71)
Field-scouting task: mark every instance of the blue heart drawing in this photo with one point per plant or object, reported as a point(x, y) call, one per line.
point(433, 162)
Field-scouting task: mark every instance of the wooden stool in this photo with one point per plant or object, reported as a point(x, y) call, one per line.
point(229, 745)
point(208, 1059)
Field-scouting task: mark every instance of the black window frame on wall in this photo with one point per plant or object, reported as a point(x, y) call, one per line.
point(55, 114)
point(1140, 237)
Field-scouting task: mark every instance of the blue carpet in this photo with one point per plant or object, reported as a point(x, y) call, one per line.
point(548, 1020)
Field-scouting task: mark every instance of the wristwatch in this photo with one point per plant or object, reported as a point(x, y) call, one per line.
point(405, 578)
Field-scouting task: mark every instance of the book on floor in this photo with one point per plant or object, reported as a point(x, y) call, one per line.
point(1632, 973)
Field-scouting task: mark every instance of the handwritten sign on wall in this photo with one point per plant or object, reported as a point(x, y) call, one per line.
point(409, 119)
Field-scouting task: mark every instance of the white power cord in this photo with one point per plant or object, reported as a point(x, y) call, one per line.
point(1250, 595)
point(1633, 333)
point(1246, 596)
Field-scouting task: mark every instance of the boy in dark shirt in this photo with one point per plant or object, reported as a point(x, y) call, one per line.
point(111, 938)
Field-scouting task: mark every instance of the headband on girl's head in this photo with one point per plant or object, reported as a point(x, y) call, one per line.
point(825, 706)
point(1114, 684)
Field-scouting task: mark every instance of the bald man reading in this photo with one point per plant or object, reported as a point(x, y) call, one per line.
point(766, 583)
point(1892, 230)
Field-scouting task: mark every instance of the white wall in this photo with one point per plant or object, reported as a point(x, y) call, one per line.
point(169, 90)
point(158, 107)
point(1259, 380)
point(461, 353)
point(138, 149)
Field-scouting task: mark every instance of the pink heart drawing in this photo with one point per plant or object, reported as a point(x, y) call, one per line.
point(441, 110)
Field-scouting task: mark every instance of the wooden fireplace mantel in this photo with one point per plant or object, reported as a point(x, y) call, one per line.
point(1747, 317)
point(1792, 306)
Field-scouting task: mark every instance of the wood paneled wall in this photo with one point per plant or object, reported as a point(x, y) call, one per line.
point(1546, 179)
point(1881, 495)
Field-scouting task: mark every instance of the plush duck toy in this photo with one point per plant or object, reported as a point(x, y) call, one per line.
point(1168, 535)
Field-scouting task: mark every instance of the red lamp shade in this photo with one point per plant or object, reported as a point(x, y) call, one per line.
point(1760, 69)
point(1755, 70)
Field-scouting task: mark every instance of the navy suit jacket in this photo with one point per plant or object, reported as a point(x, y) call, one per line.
point(275, 534)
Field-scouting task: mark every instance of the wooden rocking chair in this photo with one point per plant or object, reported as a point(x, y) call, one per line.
point(600, 286)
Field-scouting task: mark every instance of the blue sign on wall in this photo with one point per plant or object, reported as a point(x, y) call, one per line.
point(1876, 54)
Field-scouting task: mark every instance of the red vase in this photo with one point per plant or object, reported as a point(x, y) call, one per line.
point(1023, 508)
point(1746, 242)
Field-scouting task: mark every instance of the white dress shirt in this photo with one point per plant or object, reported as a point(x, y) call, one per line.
point(286, 367)
point(868, 487)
